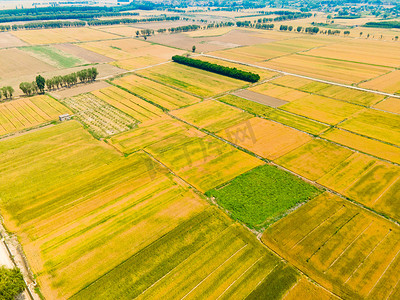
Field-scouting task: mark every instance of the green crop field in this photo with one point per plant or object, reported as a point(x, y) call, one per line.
point(261, 195)
point(54, 56)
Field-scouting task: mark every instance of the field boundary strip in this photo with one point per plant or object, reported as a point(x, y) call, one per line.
point(305, 77)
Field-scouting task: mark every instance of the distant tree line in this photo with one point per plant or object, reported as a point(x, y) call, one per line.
point(257, 25)
point(62, 24)
point(183, 28)
point(215, 68)
point(383, 24)
point(56, 82)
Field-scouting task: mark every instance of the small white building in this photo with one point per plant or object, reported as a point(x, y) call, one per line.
point(64, 117)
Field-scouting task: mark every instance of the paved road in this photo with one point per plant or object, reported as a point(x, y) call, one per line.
point(306, 77)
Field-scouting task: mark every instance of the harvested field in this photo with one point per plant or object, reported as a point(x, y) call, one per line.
point(80, 89)
point(232, 39)
point(368, 52)
point(102, 119)
point(128, 103)
point(192, 80)
point(265, 138)
point(322, 109)
point(53, 56)
point(209, 32)
point(122, 30)
point(154, 92)
point(16, 63)
point(205, 256)
point(376, 124)
point(61, 35)
point(86, 55)
point(7, 40)
point(280, 92)
point(262, 195)
point(85, 201)
point(390, 105)
point(332, 91)
point(263, 52)
point(364, 144)
point(389, 83)
point(260, 98)
point(211, 115)
point(341, 246)
point(333, 70)
point(24, 113)
point(305, 289)
point(264, 74)
point(314, 159)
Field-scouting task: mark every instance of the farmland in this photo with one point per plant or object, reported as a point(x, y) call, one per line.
point(198, 82)
point(341, 245)
point(257, 205)
point(389, 105)
point(154, 92)
point(25, 113)
point(53, 56)
point(387, 83)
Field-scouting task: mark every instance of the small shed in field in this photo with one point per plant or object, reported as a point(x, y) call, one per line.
point(64, 117)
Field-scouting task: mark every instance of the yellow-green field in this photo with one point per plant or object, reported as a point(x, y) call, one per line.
point(160, 94)
point(353, 252)
point(389, 105)
point(192, 80)
point(29, 112)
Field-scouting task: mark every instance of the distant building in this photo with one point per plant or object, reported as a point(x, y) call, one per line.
point(64, 117)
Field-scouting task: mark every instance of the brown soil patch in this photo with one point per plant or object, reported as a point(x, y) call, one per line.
point(8, 40)
point(80, 89)
point(87, 55)
point(260, 98)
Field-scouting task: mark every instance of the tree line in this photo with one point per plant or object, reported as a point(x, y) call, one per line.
point(383, 24)
point(56, 82)
point(62, 24)
point(215, 68)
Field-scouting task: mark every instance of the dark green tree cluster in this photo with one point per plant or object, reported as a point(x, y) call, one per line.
point(11, 283)
point(285, 28)
point(6, 92)
point(183, 28)
point(49, 24)
point(220, 24)
point(264, 26)
point(56, 82)
point(383, 24)
point(215, 68)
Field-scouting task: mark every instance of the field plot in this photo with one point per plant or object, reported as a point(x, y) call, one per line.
point(260, 98)
point(86, 202)
point(367, 180)
point(201, 160)
point(322, 109)
point(250, 106)
point(128, 103)
point(390, 105)
point(376, 124)
point(314, 159)
point(102, 119)
point(83, 54)
point(209, 32)
point(263, 52)
point(304, 289)
point(389, 83)
point(262, 195)
point(264, 74)
point(332, 91)
point(16, 63)
point(53, 56)
point(280, 92)
point(62, 35)
point(341, 246)
point(28, 112)
point(364, 144)
point(323, 68)
point(212, 115)
point(265, 138)
point(363, 51)
point(7, 40)
point(154, 92)
point(127, 31)
point(196, 81)
point(204, 257)
point(132, 53)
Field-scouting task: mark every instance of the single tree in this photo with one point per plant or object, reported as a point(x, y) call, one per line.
point(10, 91)
point(5, 92)
point(40, 82)
point(194, 48)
